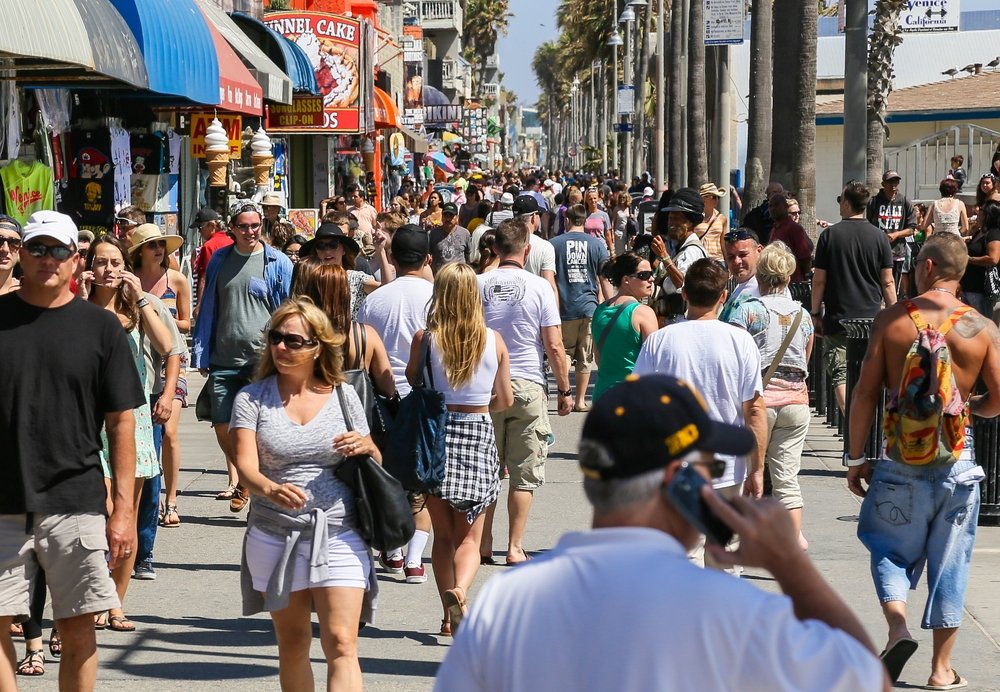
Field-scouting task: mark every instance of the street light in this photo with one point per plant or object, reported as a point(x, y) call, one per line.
point(637, 3)
point(627, 16)
point(616, 39)
point(614, 42)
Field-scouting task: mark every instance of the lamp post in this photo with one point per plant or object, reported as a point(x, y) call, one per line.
point(659, 131)
point(628, 19)
point(574, 117)
point(614, 42)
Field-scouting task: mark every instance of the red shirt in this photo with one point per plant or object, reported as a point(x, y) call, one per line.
point(218, 240)
point(794, 236)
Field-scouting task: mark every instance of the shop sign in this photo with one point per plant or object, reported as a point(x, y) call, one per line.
point(333, 45)
point(233, 125)
point(724, 22)
point(930, 15)
point(413, 83)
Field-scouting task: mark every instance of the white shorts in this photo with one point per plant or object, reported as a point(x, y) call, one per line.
point(348, 561)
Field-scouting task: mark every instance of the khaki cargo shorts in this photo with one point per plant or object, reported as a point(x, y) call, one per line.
point(522, 435)
point(579, 344)
point(835, 357)
point(71, 549)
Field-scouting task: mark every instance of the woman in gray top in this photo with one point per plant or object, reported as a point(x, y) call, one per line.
point(300, 551)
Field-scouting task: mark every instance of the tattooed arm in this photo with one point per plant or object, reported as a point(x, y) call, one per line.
point(974, 325)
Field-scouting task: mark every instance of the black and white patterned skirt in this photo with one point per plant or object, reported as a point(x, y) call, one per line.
point(472, 471)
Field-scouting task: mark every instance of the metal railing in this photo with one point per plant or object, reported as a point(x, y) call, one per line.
point(444, 12)
point(924, 162)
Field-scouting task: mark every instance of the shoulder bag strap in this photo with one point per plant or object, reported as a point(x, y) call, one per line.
point(425, 362)
point(359, 360)
point(784, 347)
point(343, 408)
point(609, 325)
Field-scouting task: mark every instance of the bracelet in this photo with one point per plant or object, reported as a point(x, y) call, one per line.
point(141, 303)
point(849, 462)
point(568, 392)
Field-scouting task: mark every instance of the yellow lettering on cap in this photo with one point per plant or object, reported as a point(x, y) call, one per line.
point(620, 411)
point(632, 377)
point(665, 400)
point(682, 439)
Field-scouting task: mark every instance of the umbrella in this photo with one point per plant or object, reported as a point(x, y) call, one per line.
point(451, 138)
point(441, 161)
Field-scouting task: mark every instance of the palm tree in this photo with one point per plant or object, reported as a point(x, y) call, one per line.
point(697, 138)
point(787, 39)
point(759, 110)
point(485, 22)
point(804, 132)
point(675, 114)
point(882, 44)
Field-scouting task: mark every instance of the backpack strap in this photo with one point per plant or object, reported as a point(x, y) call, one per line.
point(918, 319)
point(956, 314)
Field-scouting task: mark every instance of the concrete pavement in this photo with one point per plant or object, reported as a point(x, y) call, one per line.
point(190, 635)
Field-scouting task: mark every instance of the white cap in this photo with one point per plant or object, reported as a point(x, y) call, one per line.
point(548, 182)
point(556, 188)
point(507, 199)
point(647, 192)
point(51, 224)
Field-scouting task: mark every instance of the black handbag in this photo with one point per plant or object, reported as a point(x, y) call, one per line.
point(379, 409)
point(415, 453)
point(382, 514)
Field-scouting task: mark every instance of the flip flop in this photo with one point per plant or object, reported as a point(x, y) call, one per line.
point(487, 560)
point(896, 655)
point(959, 682)
point(120, 623)
point(101, 621)
point(227, 494)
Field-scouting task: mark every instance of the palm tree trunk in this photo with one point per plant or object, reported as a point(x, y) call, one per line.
point(804, 134)
point(697, 137)
point(675, 115)
point(761, 80)
point(638, 142)
point(787, 37)
point(882, 44)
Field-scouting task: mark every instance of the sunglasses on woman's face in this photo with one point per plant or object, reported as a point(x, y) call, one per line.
point(642, 276)
point(293, 342)
point(328, 244)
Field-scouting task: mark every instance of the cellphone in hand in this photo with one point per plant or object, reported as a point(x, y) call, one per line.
point(684, 494)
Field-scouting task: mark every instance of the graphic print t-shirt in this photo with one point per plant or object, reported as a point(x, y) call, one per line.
point(579, 258)
point(27, 188)
point(93, 179)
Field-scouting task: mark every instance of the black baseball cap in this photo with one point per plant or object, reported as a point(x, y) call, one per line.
point(329, 230)
point(449, 208)
point(646, 422)
point(205, 215)
point(526, 204)
point(410, 244)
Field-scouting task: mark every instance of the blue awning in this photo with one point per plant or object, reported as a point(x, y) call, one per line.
point(176, 45)
point(282, 51)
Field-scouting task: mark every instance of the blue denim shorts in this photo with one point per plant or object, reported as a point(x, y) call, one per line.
point(223, 385)
point(915, 516)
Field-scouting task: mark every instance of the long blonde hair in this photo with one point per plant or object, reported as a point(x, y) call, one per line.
point(329, 366)
point(456, 320)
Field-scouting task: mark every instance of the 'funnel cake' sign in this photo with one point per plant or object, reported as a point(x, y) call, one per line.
point(333, 45)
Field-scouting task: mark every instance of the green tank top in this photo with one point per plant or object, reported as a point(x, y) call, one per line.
point(621, 346)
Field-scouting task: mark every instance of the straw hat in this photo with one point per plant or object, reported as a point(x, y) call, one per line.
point(710, 190)
point(272, 199)
point(147, 233)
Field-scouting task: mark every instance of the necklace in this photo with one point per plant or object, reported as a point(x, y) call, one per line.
point(943, 290)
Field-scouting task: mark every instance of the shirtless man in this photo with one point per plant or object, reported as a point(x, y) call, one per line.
point(916, 513)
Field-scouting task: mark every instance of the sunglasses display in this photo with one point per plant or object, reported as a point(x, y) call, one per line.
point(59, 253)
point(293, 342)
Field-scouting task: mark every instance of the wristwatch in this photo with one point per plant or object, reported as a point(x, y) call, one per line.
point(568, 392)
point(141, 303)
point(848, 461)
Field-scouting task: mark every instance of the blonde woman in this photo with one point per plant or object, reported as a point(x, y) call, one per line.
point(787, 393)
point(289, 432)
point(468, 363)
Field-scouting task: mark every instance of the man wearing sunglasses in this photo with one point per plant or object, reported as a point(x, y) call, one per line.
point(57, 349)
point(244, 283)
point(10, 243)
point(647, 452)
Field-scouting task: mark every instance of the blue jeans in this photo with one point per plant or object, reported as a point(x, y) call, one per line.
point(149, 502)
point(913, 516)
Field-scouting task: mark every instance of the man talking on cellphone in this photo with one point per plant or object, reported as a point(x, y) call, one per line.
point(622, 607)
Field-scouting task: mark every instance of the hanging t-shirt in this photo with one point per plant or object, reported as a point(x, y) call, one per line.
point(92, 178)
point(27, 188)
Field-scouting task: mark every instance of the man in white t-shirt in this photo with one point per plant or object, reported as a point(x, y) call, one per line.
point(722, 362)
point(398, 310)
point(542, 256)
point(742, 249)
point(521, 307)
point(550, 625)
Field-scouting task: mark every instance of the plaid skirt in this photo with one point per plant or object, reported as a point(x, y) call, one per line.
point(472, 470)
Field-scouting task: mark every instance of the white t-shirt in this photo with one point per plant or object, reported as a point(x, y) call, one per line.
point(518, 305)
point(720, 360)
point(749, 287)
point(546, 626)
point(541, 256)
point(397, 311)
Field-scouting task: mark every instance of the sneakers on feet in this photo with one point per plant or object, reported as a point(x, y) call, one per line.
point(415, 574)
point(392, 563)
point(144, 570)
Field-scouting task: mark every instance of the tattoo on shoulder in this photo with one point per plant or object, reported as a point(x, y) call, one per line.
point(971, 324)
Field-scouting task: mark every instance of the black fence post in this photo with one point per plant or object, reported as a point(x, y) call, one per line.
point(858, 333)
point(987, 436)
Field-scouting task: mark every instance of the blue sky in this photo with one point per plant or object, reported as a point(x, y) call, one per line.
point(534, 23)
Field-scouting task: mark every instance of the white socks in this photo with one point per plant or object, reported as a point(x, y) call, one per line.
point(415, 548)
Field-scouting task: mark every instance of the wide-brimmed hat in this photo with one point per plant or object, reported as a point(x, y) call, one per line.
point(149, 232)
point(329, 230)
point(686, 200)
point(272, 199)
point(710, 190)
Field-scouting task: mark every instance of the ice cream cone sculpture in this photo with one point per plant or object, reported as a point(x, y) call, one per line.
point(263, 159)
point(217, 153)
